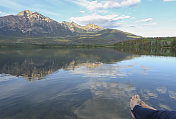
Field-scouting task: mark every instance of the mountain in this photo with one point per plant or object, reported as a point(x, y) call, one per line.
point(27, 23)
point(72, 26)
point(29, 27)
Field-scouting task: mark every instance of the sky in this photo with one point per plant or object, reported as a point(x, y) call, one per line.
point(148, 18)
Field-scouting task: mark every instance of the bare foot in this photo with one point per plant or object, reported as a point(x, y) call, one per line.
point(135, 100)
point(144, 105)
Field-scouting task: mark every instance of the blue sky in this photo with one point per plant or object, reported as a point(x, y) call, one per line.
point(142, 17)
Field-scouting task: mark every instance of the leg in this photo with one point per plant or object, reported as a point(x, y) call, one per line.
point(135, 100)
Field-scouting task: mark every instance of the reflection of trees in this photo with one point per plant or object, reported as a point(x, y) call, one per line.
point(149, 51)
point(37, 63)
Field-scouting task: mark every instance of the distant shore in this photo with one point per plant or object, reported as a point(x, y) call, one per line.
point(143, 43)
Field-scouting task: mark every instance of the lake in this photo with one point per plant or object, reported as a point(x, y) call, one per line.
point(83, 83)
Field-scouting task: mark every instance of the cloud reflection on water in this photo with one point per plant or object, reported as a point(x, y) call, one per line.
point(109, 101)
point(90, 86)
point(104, 70)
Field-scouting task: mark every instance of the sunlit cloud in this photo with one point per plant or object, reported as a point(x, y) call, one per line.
point(145, 20)
point(3, 13)
point(150, 24)
point(82, 11)
point(106, 21)
point(169, 0)
point(94, 5)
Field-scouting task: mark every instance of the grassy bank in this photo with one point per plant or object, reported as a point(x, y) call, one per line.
point(142, 44)
point(23, 45)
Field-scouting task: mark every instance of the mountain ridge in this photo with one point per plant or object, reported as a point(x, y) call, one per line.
point(33, 23)
point(27, 23)
point(35, 28)
point(74, 27)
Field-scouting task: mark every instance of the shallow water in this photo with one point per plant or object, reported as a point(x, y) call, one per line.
point(94, 83)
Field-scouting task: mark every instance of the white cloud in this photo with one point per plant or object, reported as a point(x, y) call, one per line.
point(169, 0)
point(82, 11)
point(145, 20)
point(3, 13)
point(151, 30)
point(150, 24)
point(93, 5)
point(102, 11)
point(106, 21)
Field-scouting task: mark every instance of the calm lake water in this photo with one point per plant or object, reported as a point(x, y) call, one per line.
point(82, 83)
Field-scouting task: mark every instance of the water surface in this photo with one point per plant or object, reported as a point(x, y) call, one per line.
point(82, 83)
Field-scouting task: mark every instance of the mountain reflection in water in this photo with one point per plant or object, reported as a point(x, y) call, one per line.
point(82, 83)
point(34, 64)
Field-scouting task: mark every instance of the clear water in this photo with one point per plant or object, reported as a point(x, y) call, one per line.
point(95, 83)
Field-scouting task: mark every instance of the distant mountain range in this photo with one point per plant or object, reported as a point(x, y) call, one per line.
point(27, 24)
point(34, 24)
